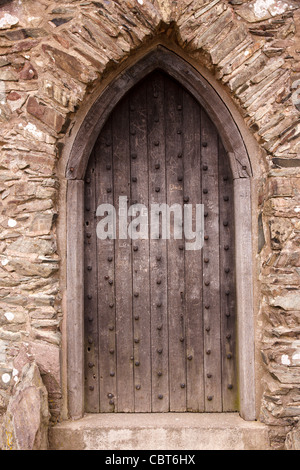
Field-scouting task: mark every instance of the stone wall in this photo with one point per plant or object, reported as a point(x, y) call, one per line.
point(53, 56)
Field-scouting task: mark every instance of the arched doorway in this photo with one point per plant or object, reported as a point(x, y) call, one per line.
point(240, 171)
point(160, 317)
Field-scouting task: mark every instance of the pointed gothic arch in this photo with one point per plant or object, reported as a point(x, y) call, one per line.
point(205, 94)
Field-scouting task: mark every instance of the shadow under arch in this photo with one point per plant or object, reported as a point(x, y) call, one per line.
point(179, 69)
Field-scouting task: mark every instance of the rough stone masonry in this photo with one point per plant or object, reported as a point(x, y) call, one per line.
point(53, 55)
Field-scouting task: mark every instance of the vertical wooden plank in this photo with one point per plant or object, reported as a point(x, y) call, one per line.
point(140, 252)
point(158, 247)
point(227, 284)
point(75, 299)
point(123, 267)
point(105, 286)
point(176, 252)
point(91, 293)
point(193, 265)
point(211, 280)
point(244, 298)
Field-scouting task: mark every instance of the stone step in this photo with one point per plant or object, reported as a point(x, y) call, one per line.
point(170, 431)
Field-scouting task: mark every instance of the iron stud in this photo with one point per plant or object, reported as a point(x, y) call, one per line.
point(210, 398)
point(109, 259)
point(205, 167)
point(208, 352)
point(137, 318)
point(207, 307)
point(205, 191)
point(111, 328)
point(134, 156)
point(91, 388)
point(206, 237)
point(90, 297)
point(159, 374)
point(89, 268)
point(111, 305)
point(229, 356)
point(182, 385)
point(158, 282)
point(88, 180)
point(209, 376)
point(204, 144)
point(159, 351)
point(135, 248)
point(225, 224)
point(226, 247)
point(138, 387)
point(134, 179)
point(226, 198)
point(206, 260)
point(109, 190)
point(91, 365)
point(137, 363)
point(157, 190)
point(190, 358)
point(186, 199)
point(207, 283)
point(159, 305)
point(160, 397)
point(227, 270)
point(112, 374)
point(180, 178)
point(158, 258)
point(207, 329)
point(156, 143)
point(157, 166)
point(205, 214)
point(108, 167)
point(111, 351)
point(181, 247)
point(110, 282)
point(230, 387)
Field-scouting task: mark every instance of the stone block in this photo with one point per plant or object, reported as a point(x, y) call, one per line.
point(48, 116)
point(70, 64)
point(27, 417)
point(292, 441)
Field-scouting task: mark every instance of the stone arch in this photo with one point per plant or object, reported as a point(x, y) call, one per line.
point(160, 58)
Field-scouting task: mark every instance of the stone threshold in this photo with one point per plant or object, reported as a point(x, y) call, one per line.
point(169, 431)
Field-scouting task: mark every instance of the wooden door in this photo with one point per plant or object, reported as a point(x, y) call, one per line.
point(160, 319)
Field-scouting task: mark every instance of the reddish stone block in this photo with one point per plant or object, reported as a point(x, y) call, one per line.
point(48, 116)
point(28, 72)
